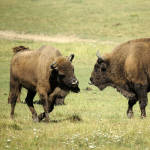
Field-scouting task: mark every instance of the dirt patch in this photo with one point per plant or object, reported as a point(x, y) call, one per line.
point(11, 35)
point(59, 39)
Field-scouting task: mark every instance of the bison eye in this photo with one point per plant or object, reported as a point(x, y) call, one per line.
point(61, 75)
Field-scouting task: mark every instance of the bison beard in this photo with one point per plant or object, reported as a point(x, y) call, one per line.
point(126, 68)
point(40, 72)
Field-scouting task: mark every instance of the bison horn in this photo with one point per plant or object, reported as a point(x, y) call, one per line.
point(71, 57)
point(53, 65)
point(98, 54)
point(100, 59)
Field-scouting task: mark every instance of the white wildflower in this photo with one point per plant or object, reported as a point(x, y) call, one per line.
point(8, 140)
point(7, 146)
point(34, 129)
point(92, 146)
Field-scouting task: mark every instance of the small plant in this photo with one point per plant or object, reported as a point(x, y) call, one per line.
point(75, 118)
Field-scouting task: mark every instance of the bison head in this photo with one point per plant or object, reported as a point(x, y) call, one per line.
point(99, 76)
point(65, 73)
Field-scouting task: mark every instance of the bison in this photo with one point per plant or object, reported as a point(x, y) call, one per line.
point(44, 71)
point(126, 68)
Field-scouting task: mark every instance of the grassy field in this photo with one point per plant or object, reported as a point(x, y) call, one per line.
point(96, 19)
point(91, 119)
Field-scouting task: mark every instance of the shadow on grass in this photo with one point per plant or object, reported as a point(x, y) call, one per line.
point(74, 118)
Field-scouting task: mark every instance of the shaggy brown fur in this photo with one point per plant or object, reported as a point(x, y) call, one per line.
point(43, 71)
point(126, 68)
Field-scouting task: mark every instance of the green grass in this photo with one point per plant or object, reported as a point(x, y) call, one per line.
point(89, 120)
point(94, 19)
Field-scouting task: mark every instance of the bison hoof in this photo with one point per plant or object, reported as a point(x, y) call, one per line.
point(12, 117)
point(35, 119)
point(143, 116)
point(130, 114)
point(46, 120)
point(46, 117)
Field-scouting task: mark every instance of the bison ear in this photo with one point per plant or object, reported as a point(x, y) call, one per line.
point(71, 57)
point(54, 66)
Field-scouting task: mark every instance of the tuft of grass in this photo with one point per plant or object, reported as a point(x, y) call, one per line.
point(75, 118)
point(14, 126)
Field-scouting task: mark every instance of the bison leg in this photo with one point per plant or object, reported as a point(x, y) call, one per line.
point(44, 99)
point(42, 115)
point(51, 104)
point(131, 103)
point(51, 100)
point(13, 99)
point(18, 99)
point(141, 92)
point(13, 95)
point(29, 101)
point(59, 101)
point(143, 103)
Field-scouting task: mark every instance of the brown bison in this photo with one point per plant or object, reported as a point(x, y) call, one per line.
point(126, 68)
point(44, 71)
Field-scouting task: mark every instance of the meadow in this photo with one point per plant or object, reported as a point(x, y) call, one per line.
point(92, 119)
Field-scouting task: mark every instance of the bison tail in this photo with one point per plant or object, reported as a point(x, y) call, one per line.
point(19, 48)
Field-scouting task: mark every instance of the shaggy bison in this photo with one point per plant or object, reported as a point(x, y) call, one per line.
point(126, 68)
point(44, 71)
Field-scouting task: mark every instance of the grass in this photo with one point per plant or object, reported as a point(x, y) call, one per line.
point(89, 120)
point(93, 19)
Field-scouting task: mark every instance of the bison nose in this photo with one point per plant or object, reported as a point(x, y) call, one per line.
point(75, 81)
point(91, 79)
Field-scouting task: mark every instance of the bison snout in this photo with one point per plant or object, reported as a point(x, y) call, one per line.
point(74, 86)
point(91, 79)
